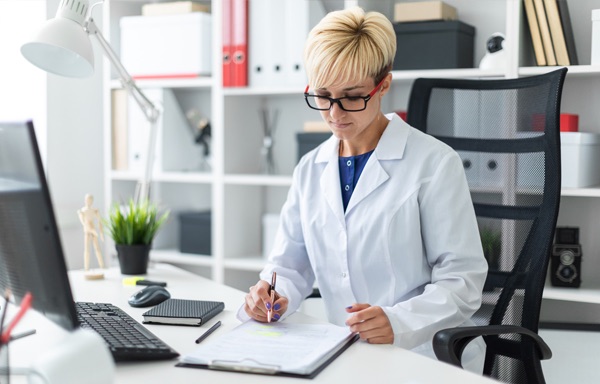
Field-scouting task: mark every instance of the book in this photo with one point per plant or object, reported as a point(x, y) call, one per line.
point(565, 19)
point(183, 312)
point(556, 30)
point(280, 348)
point(173, 8)
point(534, 29)
point(540, 12)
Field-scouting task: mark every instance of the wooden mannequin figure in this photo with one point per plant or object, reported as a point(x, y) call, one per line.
point(88, 217)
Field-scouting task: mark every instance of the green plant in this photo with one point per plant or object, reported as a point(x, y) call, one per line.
point(135, 223)
point(491, 243)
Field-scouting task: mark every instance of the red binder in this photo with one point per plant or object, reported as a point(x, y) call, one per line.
point(227, 43)
point(240, 43)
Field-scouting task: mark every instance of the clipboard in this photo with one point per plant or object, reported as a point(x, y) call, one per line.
point(316, 359)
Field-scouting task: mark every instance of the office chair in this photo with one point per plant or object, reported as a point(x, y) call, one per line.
point(507, 134)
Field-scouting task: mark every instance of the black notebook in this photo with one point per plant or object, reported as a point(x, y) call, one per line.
point(183, 312)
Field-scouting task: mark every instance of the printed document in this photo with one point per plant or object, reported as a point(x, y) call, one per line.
point(272, 348)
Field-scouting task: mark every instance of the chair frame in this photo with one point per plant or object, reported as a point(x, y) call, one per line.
point(449, 344)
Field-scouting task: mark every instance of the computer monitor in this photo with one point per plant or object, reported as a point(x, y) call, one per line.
point(31, 256)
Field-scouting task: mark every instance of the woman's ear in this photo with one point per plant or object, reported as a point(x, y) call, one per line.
point(385, 86)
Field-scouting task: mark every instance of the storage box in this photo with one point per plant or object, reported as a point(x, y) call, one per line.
point(167, 46)
point(434, 45)
point(424, 11)
point(580, 157)
point(307, 141)
point(195, 232)
point(595, 37)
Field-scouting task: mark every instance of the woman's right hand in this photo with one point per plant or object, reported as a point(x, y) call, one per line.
point(258, 301)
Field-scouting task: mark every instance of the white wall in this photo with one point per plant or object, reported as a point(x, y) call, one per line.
point(75, 157)
point(67, 114)
point(22, 86)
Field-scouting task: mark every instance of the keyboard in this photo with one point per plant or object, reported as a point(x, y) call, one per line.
point(127, 339)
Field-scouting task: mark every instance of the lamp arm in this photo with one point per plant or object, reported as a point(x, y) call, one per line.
point(148, 108)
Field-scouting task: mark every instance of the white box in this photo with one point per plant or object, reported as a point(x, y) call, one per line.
point(595, 37)
point(167, 46)
point(270, 222)
point(580, 157)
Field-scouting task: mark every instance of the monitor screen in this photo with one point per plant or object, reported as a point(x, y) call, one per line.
point(31, 256)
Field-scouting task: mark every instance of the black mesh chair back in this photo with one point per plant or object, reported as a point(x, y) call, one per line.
point(507, 134)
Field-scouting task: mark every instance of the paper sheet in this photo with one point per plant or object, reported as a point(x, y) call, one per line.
point(285, 347)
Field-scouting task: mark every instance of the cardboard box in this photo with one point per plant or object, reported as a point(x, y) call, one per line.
point(167, 46)
point(434, 45)
point(580, 156)
point(195, 232)
point(424, 11)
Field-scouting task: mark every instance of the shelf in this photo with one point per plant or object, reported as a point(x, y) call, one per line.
point(574, 70)
point(263, 91)
point(260, 180)
point(458, 73)
point(584, 294)
point(198, 82)
point(165, 177)
point(253, 264)
point(174, 256)
point(581, 192)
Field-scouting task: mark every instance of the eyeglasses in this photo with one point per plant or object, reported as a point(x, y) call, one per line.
point(348, 103)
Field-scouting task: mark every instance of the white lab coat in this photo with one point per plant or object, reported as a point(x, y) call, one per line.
point(408, 241)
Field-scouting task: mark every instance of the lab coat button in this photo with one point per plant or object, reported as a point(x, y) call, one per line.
point(344, 274)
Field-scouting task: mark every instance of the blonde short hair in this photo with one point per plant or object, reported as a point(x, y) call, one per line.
point(348, 45)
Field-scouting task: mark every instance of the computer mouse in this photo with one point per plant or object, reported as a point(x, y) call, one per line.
point(149, 296)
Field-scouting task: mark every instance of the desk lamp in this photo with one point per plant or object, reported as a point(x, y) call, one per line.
point(63, 47)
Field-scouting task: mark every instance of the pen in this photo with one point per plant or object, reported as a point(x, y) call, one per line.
point(208, 332)
point(272, 292)
point(25, 305)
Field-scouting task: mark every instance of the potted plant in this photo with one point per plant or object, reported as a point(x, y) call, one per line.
point(132, 228)
point(491, 243)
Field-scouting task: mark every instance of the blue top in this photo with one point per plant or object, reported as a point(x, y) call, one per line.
point(350, 169)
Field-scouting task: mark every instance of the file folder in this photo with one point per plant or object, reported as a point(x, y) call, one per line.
point(227, 48)
point(296, 24)
point(259, 42)
point(240, 43)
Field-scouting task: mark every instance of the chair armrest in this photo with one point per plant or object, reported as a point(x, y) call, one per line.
point(449, 344)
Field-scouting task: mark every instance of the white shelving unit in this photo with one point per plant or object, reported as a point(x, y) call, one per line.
point(238, 194)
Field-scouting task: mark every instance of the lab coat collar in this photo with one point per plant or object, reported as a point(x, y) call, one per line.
point(391, 146)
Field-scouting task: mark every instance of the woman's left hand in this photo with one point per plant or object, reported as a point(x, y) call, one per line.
point(371, 323)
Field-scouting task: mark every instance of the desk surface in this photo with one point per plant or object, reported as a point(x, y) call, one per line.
point(362, 362)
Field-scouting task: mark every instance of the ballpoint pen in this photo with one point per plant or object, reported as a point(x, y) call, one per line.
point(272, 292)
point(25, 305)
point(208, 332)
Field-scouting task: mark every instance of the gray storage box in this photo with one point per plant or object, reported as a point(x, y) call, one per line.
point(195, 232)
point(434, 45)
point(307, 141)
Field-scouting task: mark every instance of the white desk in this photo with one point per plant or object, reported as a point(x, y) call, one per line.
point(361, 363)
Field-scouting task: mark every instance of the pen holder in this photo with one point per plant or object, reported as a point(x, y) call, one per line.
point(4, 366)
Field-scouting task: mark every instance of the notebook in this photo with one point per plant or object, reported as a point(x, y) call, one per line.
point(183, 312)
point(280, 348)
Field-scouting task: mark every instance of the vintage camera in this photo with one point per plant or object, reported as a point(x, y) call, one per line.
point(565, 262)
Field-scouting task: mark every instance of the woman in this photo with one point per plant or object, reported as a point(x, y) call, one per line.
point(380, 214)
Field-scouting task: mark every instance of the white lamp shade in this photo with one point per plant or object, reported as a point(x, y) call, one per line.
point(61, 47)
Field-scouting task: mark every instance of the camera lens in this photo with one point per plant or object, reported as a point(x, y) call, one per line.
point(566, 273)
